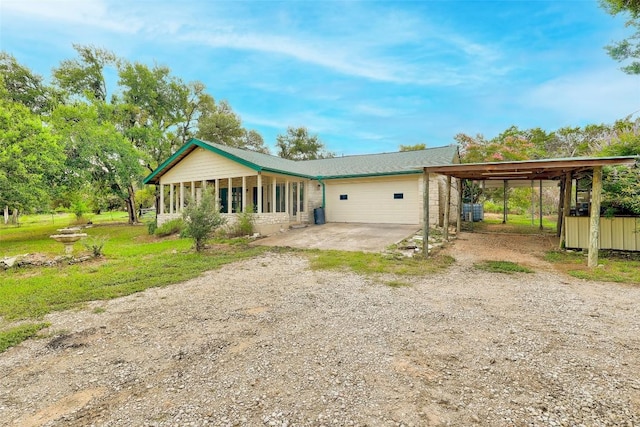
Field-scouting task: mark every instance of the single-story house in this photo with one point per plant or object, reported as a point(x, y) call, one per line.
point(372, 188)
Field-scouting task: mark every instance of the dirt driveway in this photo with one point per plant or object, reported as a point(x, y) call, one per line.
point(342, 236)
point(268, 341)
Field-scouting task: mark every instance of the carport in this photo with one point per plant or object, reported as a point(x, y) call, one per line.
point(563, 170)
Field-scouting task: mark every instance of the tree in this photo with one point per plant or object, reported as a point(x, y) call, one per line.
point(31, 157)
point(202, 219)
point(298, 144)
point(84, 76)
point(23, 86)
point(97, 153)
point(629, 48)
point(222, 125)
point(415, 147)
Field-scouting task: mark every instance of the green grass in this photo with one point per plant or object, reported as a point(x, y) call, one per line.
point(14, 336)
point(506, 267)
point(373, 263)
point(397, 284)
point(617, 267)
point(519, 224)
point(133, 261)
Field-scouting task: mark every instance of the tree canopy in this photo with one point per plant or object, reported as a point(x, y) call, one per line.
point(299, 144)
point(629, 48)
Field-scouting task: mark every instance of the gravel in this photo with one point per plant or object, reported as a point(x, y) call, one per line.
point(269, 342)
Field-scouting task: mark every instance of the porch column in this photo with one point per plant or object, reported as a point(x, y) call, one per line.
point(171, 198)
point(230, 187)
point(181, 197)
point(217, 195)
point(459, 220)
point(425, 214)
point(286, 197)
point(193, 191)
point(306, 198)
point(298, 201)
point(259, 192)
point(566, 208)
point(596, 193)
point(274, 184)
point(161, 207)
point(244, 194)
point(447, 209)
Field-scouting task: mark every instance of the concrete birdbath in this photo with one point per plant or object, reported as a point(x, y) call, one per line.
point(68, 236)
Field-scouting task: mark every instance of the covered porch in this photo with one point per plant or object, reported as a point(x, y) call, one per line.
point(277, 201)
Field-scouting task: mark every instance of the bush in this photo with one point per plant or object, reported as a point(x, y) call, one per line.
point(170, 227)
point(152, 227)
point(95, 245)
point(244, 225)
point(202, 219)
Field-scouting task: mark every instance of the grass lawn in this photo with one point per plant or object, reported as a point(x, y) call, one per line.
point(519, 224)
point(613, 266)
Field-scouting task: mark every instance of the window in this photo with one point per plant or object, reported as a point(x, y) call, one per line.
point(343, 197)
point(398, 195)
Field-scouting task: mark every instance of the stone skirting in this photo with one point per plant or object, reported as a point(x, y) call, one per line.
point(264, 223)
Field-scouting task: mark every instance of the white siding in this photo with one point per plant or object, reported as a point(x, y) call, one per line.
point(203, 164)
point(372, 200)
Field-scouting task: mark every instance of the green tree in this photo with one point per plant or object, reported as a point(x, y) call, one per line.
point(299, 144)
point(415, 147)
point(202, 219)
point(629, 48)
point(85, 76)
point(23, 86)
point(222, 125)
point(31, 157)
point(97, 153)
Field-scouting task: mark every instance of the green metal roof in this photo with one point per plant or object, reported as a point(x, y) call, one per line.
point(402, 162)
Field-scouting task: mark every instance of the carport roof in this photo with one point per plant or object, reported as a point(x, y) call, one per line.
point(527, 170)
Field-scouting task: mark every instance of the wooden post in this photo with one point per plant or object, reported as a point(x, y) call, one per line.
point(540, 205)
point(181, 197)
point(171, 198)
point(566, 208)
point(425, 215)
point(274, 184)
point(459, 220)
point(259, 193)
point(217, 191)
point(596, 193)
point(229, 191)
point(504, 203)
point(447, 209)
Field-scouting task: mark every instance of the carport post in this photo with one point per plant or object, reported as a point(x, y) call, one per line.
point(540, 204)
point(566, 207)
point(459, 220)
point(425, 215)
point(504, 205)
point(447, 209)
point(596, 193)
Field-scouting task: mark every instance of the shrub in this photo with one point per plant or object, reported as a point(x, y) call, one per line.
point(202, 219)
point(170, 227)
point(152, 227)
point(244, 225)
point(95, 245)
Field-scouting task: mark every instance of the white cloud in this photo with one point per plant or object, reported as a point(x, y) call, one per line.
point(595, 96)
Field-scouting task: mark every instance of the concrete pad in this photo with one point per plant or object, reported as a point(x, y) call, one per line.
point(342, 236)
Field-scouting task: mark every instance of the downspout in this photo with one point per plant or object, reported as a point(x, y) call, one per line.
point(323, 191)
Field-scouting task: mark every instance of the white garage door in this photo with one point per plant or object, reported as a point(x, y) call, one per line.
point(385, 201)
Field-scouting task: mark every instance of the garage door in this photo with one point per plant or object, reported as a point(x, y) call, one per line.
point(386, 201)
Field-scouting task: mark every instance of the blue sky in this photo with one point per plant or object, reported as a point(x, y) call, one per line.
point(365, 76)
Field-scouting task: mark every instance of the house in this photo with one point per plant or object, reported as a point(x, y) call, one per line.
point(374, 188)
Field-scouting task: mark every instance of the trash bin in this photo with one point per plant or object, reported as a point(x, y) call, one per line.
point(318, 216)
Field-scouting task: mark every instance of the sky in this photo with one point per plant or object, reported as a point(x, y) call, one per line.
point(365, 76)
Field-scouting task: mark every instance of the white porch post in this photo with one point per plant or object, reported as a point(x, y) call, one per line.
point(217, 195)
point(447, 209)
point(171, 198)
point(306, 197)
point(161, 199)
point(273, 194)
point(259, 192)
point(286, 197)
point(181, 196)
point(193, 190)
point(230, 185)
point(298, 201)
point(425, 214)
point(244, 194)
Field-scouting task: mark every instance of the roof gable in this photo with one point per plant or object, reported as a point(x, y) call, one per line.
point(396, 163)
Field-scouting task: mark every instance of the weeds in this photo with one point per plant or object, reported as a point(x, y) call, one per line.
point(506, 267)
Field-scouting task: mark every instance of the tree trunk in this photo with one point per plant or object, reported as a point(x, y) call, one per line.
point(131, 205)
point(15, 216)
point(6, 215)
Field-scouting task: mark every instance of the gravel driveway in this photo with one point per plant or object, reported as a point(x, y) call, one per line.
point(269, 342)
